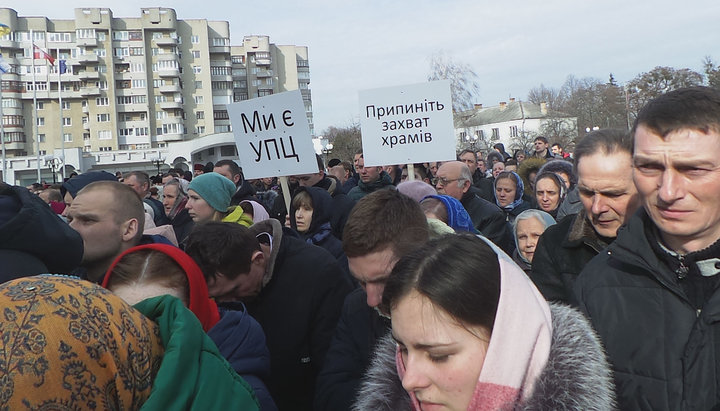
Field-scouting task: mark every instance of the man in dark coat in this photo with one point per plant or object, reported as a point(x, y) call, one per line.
point(653, 294)
point(293, 289)
point(479, 180)
point(371, 179)
point(140, 182)
point(383, 227)
point(244, 190)
point(609, 198)
point(454, 179)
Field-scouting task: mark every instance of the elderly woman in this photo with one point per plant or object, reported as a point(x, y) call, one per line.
point(509, 189)
point(209, 196)
point(471, 332)
point(527, 229)
point(449, 211)
point(550, 191)
point(174, 200)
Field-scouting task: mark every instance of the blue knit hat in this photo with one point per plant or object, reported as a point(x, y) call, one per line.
point(215, 189)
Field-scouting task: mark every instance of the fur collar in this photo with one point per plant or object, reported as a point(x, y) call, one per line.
point(582, 231)
point(576, 377)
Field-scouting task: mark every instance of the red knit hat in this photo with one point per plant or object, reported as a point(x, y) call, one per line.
point(204, 308)
point(198, 167)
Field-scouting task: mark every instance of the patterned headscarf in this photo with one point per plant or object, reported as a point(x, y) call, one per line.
point(519, 189)
point(71, 344)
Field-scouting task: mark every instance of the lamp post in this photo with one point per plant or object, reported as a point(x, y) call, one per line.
point(158, 161)
point(472, 139)
point(327, 147)
point(55, 164)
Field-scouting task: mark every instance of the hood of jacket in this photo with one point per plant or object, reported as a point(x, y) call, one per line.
point(576, 377)
point(241, 340)
point(270, 233)
point(29, 226)
point(322, 209)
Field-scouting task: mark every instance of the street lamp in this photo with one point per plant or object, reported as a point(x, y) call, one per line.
point(327, 147)
point(55, 164)
point(158, 161)
point(472, 139)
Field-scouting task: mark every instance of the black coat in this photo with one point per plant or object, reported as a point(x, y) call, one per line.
point(664, 351)
point(356, 334)
point(341, 205)
point(182, 224)
point(298, 308)
point(561, 253)
point(489, 220)
point(485, 187)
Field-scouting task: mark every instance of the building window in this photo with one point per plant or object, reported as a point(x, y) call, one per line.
point(67, 121)
point(194, 39)
point(238, 59)
point(41, 121)
point(103, 118)
point(138, 83)
point(196, 54)
point(199, 100)
point(513, 131)
point(221, 115)
point(199, 129)
point(41, 138)
point(42, 152)
point(40, 105)
point(105, 148)
point(102, 101)
point(198, 85)
point(480, 134)
point(197, 69)
point(495, 134)
point(199, 115)
point(104, 135)
point(67, 137)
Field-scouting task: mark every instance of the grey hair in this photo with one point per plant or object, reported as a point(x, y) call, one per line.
point(464, 176)
point(546, 219)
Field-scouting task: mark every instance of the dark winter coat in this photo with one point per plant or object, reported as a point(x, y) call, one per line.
point(159, 217)
point(570, 205)
point(241, 340)
point(341, 205)
point(576, 376)
point(33, 239)
point(484, 186)
point(561, 253)
point(489, 220)
point(664, 351)
point(363, 189)
point(245, 191)
point(348, 359)
point(182, 224)
point(298, 308)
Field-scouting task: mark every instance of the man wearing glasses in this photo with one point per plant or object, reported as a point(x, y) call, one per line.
point(454, 179)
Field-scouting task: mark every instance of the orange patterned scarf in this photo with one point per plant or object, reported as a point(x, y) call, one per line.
point(70, 344)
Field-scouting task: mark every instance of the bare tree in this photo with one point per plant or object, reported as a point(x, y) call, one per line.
point(464, 85)
point(712, 72)
point(551, 96)
point(345, 140)
point(646, 86)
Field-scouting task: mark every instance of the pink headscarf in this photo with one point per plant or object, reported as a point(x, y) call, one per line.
point(519, 346)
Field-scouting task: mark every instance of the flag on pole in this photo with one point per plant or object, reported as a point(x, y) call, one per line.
point(63, 66)
point(4, 29)
point(39, 53)
point(4, 66)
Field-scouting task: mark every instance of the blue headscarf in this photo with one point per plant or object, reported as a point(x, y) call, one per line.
point(519, 190)
point(458, 218)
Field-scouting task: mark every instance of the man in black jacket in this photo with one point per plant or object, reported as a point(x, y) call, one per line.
point(454, 179)
point(653, 294)
point(293, 289)
point(244, 190)
point(609, 198)
point(383, 226)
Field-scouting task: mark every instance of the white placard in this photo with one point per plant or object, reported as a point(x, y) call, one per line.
point(272, 136)
point(407, 124)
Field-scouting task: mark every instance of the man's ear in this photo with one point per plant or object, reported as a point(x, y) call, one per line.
point(466, 186)
point(130, 229)
point(236, 179)
point(257, 257)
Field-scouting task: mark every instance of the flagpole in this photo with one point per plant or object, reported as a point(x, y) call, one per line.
point(62, 135)
point(37, 134)
point(2, 134)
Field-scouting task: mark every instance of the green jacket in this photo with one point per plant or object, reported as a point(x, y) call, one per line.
point(193, 375)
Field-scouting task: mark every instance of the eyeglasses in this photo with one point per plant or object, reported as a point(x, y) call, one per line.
point(443, 181)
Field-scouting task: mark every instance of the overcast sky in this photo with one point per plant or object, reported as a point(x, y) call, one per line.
point(513, 45)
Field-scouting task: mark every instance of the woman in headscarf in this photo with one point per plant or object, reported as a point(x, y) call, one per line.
point(550, 191)
point(509, 189)
point(449, 211)
point(310, 212)
point(152, 270)
point(174, 200)
point(527, 229)
point(471, 332)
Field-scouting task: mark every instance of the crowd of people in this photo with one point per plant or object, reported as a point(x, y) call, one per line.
point(537, 280)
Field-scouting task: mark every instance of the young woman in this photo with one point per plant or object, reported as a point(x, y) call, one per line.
point(310, 212)
point(209, 196)
point(550, 191)
point(152, 270)
point(509, 191)
point(471, 332)
point(527, 229)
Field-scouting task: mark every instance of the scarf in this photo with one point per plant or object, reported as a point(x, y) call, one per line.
point(519, 190)
point(458, 218)
point(519, 346)
point(70, 344)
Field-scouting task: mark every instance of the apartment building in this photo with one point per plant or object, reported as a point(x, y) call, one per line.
point(129, 87)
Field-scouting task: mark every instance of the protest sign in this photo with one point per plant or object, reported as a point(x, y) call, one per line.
point(272, 136)
point(407, 124)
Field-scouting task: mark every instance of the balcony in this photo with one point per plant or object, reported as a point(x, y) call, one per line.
point(166, 41)
point(133, 108)
point(10, 44)
point(15, 145)
point(264, 73)
point(306, 94)
point(220, 49)
point(85, 109)
point(90, 58)
point(170, 105)
point(89, 42)
point(169, 72)
point(167, 57)
point(169, 137)
point(86, 125)
point(89, 91)
point(89, 75)
point(170, 88)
